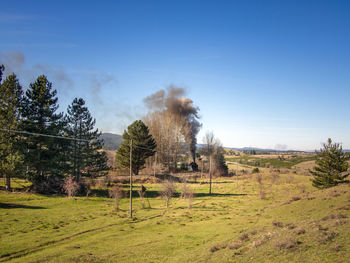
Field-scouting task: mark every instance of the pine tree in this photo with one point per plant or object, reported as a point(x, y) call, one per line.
point(2, 69)
point(43, 155)
point(85, 155)
point(10, 102)
point(220, 166)
point(143, 146)
point(331, 164)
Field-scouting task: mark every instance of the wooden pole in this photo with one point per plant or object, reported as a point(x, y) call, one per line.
point(210, 174)
point(236, 174)
point(130, 209)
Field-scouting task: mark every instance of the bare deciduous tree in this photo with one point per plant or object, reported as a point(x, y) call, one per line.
point(117, 193)
point(173, 123)
point(187, 193)
point(210, 143)
point(167, 191)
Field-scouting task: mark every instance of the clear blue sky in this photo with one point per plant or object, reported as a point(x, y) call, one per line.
point(263, 73)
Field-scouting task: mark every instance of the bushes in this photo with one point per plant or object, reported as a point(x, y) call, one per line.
point(187, 193)
point(255, 170)
point(52, 185)
point(71, 187)
point(167, 191)
point(117, 193)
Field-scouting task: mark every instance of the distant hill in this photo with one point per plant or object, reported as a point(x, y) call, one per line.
point(255, 149)
point(111, 141)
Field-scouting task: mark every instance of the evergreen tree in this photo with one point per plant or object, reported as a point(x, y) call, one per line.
point(220, 167)
point(143, 146)
point(10, 101)
point(331, 163)
point(42, 154)
point(84, 152)
point(2, 69)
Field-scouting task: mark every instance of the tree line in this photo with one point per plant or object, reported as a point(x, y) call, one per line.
point(41, 144)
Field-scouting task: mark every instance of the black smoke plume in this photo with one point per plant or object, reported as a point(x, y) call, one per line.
point(172, 99)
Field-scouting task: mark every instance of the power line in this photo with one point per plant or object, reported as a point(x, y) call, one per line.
point(44, 135)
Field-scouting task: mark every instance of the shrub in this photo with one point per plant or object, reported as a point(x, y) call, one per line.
point(167, 191)
point(118, 193)
point(258, 178)
point(71, 187)
point(187, 193)
point(142, 193)
point(52, 185)
point(255, 170)
point(274, 178)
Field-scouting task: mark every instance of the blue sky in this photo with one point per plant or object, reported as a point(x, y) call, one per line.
point(270, 74)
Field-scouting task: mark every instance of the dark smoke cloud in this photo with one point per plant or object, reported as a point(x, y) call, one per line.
point(12, 60)
point(172, 99)
point(56, 74)
point(155, 101)
point(97, 84)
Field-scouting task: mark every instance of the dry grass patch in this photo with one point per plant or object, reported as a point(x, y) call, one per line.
point(300, 231)
point(244, 237)
point(235, 245)
point(217, 247)
point(327, 237)
point(263, 239)
point(277, 224)
point(287, 243)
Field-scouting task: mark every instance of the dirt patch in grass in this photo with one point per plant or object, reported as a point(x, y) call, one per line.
point(287, 243)
point(235, 245)
point(244, 237)
point(277, 224)
point(300, 231)
point(217, 247)
point(327, 237)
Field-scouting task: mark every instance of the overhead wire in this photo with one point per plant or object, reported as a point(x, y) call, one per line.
point(44, 135)
point(68, 138)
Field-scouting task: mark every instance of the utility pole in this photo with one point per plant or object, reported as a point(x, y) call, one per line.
point(236, 174)
point(130, 179)
point(210, 175)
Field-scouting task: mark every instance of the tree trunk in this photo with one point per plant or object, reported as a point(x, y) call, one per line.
point(8, 182)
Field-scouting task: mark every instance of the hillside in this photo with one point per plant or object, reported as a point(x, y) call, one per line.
point(111, 141)
point(277, 218)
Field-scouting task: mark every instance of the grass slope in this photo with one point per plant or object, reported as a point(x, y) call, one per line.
point(256, 160)
point(283, 219)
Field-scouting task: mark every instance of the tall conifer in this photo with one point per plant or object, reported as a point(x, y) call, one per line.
point(11, 95)
point(43, 155)
point(331, 164)
point(85, 155)
point(143, 146)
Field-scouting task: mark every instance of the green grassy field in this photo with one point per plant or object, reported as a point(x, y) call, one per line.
point(283, 219)
point(278, 161)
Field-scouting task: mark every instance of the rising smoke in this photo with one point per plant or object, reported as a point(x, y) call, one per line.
point(172, 100)
point(14, 62)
